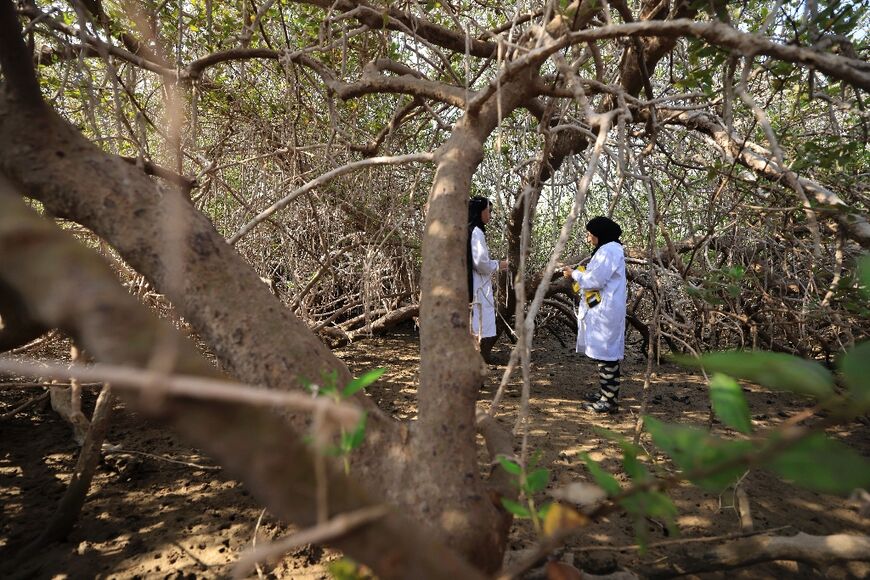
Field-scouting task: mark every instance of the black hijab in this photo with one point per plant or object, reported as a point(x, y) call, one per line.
point(476, 206)
point(605, 229)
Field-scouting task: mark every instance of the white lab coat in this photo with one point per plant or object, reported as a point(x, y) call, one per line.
point(601, 329)
point(483, 303)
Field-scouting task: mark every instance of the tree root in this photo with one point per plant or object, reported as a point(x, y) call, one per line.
point(812, 550)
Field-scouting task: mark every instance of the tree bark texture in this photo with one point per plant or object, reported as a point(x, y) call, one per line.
point(69, 287)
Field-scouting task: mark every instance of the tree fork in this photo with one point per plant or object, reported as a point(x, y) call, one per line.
point(254, 444)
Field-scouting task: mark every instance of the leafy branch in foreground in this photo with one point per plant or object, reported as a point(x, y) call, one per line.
point(802, 454)
point(353, 438)
point(530, 479)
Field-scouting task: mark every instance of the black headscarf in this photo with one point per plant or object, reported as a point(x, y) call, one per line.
point(476, 206)
point(605, 229)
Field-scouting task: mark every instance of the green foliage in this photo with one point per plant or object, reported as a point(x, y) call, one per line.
point(779, 371)
point(347, 569)
point(348, 441)
point(536, 480)
point(529, 480)
point(633, 467)
point(729, 404)
point(329, 384)
point(842, 18)
point(709, 461)
point(704, 61)
point(822, 464)
point(718, 285)
point(650, 504)
point(864, 274)
point(515, 508)
point(640, 504)
point(814, 462)
point(362, 382)
point(519, 510)
point(645, 504)
point(830, 152)
point(604, 480)
point(510, 466)
point(808, 459)
point(855, 366)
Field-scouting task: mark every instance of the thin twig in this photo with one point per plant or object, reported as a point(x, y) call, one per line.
point(343, 414)
point(332, 529)
point(24, 405)
point(325, 178)
point(119, 449)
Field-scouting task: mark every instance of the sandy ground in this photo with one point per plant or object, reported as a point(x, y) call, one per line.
point(163, 510)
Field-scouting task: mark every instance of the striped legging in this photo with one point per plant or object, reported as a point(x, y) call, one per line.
point(608, 380)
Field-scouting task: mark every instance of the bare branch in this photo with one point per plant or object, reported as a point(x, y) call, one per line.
point(761, 161)
point(395, 19)
point(325, 178)
point(122, 377)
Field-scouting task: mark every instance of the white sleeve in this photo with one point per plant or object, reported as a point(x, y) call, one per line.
point(480, 254)
point(598, 272)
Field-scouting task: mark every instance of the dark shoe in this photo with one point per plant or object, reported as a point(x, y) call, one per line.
point(592, 396)
point(486, 345)
point(496, 361)
point(602, 405)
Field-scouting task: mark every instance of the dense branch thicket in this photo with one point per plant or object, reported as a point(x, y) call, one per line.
point(263, 119)
point(293, 173)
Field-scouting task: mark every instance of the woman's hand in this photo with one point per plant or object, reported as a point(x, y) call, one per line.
point(567, 271)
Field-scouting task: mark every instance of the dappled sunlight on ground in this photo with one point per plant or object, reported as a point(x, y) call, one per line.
point(562, 432)
point(147, 517)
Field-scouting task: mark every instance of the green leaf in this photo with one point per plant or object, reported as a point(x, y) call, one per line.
point(604, 480)
point(776, 370)
point(358, 434)
point(695, 449)
point(823, 464)
point(544, 509)
point(515, 508)
point(634, 468)
point(729, 403)
point(509, 466)
point(661, 506)
point(537, 480)
point(864, 274)
point(651, 504)
point(344, 569)
point(855, 366)
point(619, 438)
point(362, 382)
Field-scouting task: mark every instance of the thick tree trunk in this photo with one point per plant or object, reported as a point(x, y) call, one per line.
point(69, 287)
point(17, 326)
point(450, 492)
point(255, 338)
point(260, 342)
point(446, 476)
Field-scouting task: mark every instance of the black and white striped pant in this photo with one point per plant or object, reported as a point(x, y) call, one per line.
point(609, 379)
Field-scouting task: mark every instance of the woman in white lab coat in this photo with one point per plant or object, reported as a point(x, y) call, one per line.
point(601, 314)
point(480, 270)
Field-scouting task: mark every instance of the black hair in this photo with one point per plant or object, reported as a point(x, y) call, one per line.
point(476, 206)
point(605, 229)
